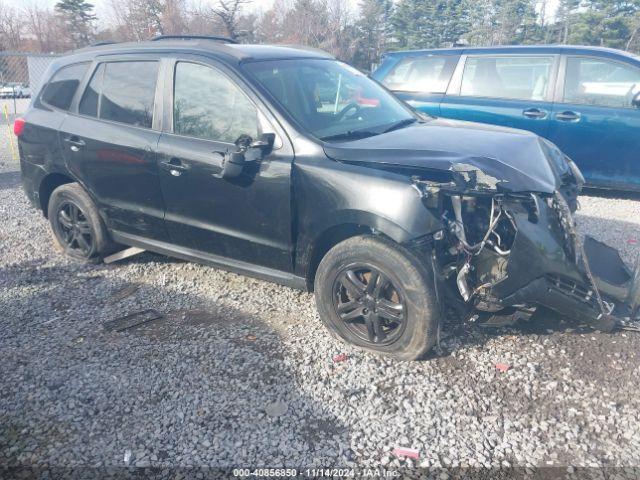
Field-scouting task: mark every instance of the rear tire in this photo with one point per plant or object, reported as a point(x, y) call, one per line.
point(78, 231)
point(377, 295)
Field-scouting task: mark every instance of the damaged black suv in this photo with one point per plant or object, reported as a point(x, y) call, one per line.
point(291, 166)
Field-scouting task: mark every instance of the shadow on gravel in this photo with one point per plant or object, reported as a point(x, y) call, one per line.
point(207, 386)
point(543, 323)
point(9, 180)
point(616, 194)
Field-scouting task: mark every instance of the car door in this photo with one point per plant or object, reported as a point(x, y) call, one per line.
point(421, 80)
point(595, 121)
point(109, 143)
point(247, 219)
point(511, 90)
point(40, 144)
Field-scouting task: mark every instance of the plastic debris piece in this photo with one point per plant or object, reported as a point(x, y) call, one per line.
point(342, 357)
point(124, 292)
point(127, 456)
point(251, 337)
point(406, 452)
point(276, 409)
point(502, 367)
point(132, 320)
point(122, 254)
point(632, 241)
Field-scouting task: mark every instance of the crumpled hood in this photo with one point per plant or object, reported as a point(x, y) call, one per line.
point(513, 160)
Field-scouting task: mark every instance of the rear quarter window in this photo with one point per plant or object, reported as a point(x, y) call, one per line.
point(62, 87)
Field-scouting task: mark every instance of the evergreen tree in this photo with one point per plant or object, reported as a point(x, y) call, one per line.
point(430, 23)
point(373, 31)
point(78, 19)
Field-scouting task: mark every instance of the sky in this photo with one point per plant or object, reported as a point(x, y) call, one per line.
point(103, 9)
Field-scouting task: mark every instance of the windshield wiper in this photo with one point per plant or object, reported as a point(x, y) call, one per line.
point(401, 124)
point(350, 135)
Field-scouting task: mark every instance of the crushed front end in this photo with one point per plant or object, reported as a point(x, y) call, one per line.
point(502, 254)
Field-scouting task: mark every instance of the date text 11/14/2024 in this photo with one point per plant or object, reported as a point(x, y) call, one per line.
point(315, 473)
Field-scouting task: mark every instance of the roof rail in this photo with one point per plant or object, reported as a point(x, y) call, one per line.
point(193, 37)
point(105, 42)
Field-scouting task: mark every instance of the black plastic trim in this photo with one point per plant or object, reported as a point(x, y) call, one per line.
point(236, 266)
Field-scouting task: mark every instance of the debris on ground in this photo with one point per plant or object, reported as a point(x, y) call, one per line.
point(122, 254)
point(276, 409)
point(342, 357)
point(124, 292)
point(503, 367)
point(127, 456)
point(251, 337)
point(132, 320)
point(406, 452)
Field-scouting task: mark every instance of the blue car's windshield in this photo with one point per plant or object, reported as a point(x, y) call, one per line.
point(330, 99)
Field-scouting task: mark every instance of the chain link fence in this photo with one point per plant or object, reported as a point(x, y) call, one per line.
point(21, 74)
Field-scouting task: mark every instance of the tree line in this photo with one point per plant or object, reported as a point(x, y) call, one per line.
point(357, 35)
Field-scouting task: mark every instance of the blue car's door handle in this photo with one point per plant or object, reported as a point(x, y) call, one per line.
point(568, 116)
point(534, 113)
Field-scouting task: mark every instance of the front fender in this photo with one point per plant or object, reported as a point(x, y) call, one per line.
point(331, 194)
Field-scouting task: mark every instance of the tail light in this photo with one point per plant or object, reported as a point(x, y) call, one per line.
point(18, 126)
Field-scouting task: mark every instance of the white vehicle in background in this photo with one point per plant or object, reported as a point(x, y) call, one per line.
point(23, 91)
point(15, 90)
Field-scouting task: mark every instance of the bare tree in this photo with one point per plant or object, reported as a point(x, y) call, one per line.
point(44, 27)
point(11, 28)
point(137, 19)
point(173, 18)
point(228, 13)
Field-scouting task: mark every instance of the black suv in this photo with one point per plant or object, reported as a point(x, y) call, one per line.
point(291, 166)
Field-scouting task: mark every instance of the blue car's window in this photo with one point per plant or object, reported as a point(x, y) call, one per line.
point(595, 81)
point(329, 99)
point(510, 77)
point(207, 104)
point(421, 74)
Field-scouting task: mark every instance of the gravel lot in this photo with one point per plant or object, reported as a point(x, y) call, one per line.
point(239, 372)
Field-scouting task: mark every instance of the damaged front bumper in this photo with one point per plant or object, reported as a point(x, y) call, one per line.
point(527, 254)
point(607, 296)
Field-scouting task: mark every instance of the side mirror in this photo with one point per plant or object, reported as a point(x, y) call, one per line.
point(247, 151)
point(233, 164)
point(264, 143)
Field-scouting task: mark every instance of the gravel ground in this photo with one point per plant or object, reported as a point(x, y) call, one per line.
point(239, 372)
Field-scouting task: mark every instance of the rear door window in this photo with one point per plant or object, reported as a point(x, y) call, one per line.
point(511, 77)
point(595, 81)
point(62, 87)
point(422, 74)
point(122, 92)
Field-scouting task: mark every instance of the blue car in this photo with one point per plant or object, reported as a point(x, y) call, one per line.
point(586, 100)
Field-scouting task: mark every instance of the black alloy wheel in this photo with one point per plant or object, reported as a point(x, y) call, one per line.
point(74, 230)
point(370, 305)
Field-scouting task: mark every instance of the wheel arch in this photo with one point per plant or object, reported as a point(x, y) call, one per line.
point(48, 184)
point(351, 226)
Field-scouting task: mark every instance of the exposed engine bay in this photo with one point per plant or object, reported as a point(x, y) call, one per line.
point(502, 255)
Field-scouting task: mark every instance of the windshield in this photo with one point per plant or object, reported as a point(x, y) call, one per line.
point(330, 99)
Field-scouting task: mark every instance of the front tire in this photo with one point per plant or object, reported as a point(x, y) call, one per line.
point(78, 231)
point(377, 295)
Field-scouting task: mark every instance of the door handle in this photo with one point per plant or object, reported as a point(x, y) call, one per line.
point(568, 116)
point(75, 143)
point(174, 166)
point(534, 113)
